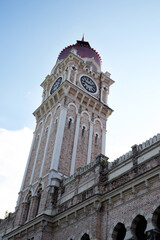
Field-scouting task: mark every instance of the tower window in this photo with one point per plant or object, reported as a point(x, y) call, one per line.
point(27, 207)
point(83, 131)
point(69, 123)
point(96, 139)
point(38, 201)
point(56, 124)
point(37, 139)
point(46, 132)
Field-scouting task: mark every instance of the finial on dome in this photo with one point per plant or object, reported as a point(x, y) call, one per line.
point(83, 38)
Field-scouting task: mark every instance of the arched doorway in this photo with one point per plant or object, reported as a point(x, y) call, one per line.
point(156, 223)
point(119, 232)
point(138, 227)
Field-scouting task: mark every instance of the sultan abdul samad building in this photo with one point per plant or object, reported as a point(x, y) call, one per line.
point(70, 191)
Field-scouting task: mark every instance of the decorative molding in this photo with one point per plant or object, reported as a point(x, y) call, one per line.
point(73, 104)
point(99, 120)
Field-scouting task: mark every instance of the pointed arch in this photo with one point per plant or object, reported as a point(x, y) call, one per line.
point(85, 235)
point(27, 206)
point(37, 200)
point(40, 184)
point(30, 191)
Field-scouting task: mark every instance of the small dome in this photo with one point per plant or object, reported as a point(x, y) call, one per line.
point(83, 50)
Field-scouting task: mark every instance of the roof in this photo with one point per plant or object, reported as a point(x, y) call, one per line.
point(84, 50)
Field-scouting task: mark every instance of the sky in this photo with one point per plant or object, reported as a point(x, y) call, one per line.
point(126, 33)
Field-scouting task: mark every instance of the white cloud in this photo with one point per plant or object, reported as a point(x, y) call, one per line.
point(14, 150)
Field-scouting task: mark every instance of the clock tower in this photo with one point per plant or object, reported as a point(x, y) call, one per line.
point(70, 127)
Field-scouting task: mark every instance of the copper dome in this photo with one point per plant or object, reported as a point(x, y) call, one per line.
point(83, 50)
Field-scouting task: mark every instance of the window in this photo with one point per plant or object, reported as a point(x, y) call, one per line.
point(56, 124)
point(83, 131)
point(46, 132)
point(38, 201)
point(69, 123)
point(96, 139)
point(28, 203)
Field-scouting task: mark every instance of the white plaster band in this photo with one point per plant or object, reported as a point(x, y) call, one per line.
point(59, 139)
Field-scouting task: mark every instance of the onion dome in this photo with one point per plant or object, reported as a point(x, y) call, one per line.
point(84, 50)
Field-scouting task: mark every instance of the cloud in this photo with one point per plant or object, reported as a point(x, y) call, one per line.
point(14, 150)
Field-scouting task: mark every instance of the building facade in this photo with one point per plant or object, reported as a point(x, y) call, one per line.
point(70, 191)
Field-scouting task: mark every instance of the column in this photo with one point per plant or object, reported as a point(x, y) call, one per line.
point(64, 75)
point(103, 141)
point(69, 73)
point(46, 146)
point(90, 143)
point(58, 140)
point(75, 145)
point(75, 77)
point(35, 160)
point(102, 92)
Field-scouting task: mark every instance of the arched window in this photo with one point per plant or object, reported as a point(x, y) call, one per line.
point(46, 132)
point(139, 225)
point(96, 139)
point(56, 124)
point(69, 123)
point(28, 203)
point(119, 232)
point(37, 139)
point(85, 237)
point(38, 201)
point(83, 131)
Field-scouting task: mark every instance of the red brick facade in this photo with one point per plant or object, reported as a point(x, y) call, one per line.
point(70, 191)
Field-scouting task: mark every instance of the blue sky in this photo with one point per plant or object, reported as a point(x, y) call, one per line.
point(126, 33)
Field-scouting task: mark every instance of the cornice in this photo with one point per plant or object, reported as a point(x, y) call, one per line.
point(41, 219)
point(77, 94)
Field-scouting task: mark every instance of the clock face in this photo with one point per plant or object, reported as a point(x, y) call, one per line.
point(88, 84)
point(56, 85)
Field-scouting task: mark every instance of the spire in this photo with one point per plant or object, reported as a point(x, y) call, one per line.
point(83, 43)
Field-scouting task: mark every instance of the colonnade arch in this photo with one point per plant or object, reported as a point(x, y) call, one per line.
point(138, 227)
point(85, 237)
point(119, 232)
point(156, 223)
